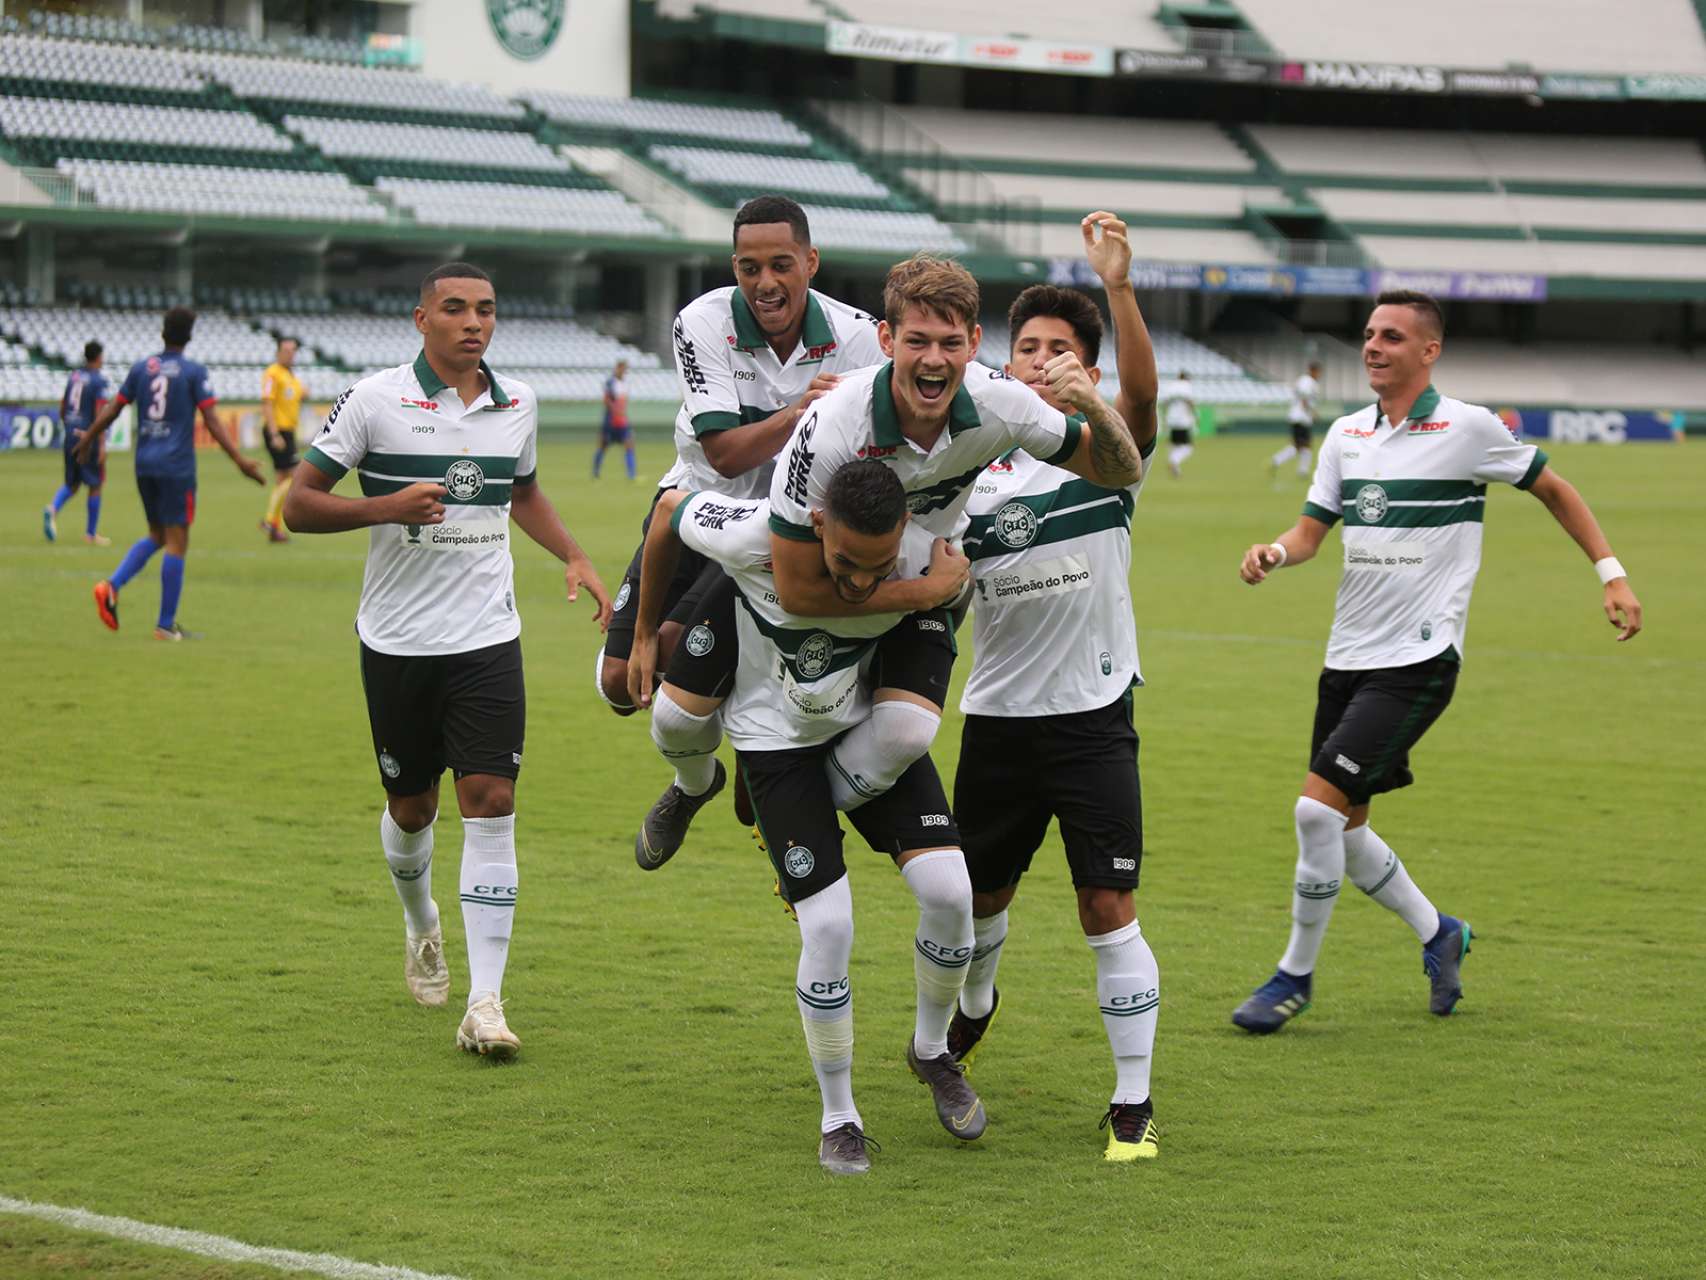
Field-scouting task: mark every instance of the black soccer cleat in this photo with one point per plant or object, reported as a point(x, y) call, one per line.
point(846, 1150)
point(965, 1033)
point(665, 828)
point(958, 1108)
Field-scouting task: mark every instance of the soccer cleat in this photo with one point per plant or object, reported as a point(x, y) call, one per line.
point(965, 1033)
point(846, 1150)
point(958, 1108)
point(1132, 1134)
point(106, 604)
point(273, 532)
point(424, 968)
point(175, 634)
point(49, 524)
point(97, 540)
point(1275, 1003)
point(665, 827)
point(484, 1031)
point(1442, 961)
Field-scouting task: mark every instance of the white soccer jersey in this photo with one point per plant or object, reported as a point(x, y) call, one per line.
point(1181, 407)
point(1412, 496)
point(1304, 393)
point(444, 588)
point(1051, 557)
point(728, 376)
point(991, 413)
point(799, 681)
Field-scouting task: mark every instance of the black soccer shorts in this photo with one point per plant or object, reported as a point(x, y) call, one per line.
point(1367, 721)
point(801, 828)
point(917, 654)
point(284, 457)
point(1016, 773)
point(708, 651)
point(619, 639)
point(464, 711)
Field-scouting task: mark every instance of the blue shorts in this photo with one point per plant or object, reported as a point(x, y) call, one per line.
point(609, 434)
point(168, 500)
point(92, 473)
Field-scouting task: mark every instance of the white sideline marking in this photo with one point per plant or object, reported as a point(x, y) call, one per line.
point(210, 1246)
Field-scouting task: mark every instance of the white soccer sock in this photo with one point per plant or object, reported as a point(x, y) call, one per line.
point(409, 855)
point(1178, 453)
point(1320, 868)
point(871, 756)
point(1377, 871)
point(1128, 986)
point(1284, 456)
point(687, 741)
point(826, 1000)
point(489, 886)
point(988, 933)
point(942, 948)
point(1303, 457)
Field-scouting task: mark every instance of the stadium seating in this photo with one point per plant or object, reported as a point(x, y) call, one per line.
point(707, 167)
point(79, 62)
point(215, 189)
point(76, 120)
point(1215, 379)
point(879, 229)
point(553, 209)
point(371, 139)
point(293, 81)
point(667, 118)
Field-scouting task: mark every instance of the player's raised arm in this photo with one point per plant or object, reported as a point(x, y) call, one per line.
point(1107, 453)
point(805, 588)
point(1571, 511)
point(1109, 254)
point(534, 514)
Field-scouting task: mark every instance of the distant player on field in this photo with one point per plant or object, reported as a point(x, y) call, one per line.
point(1181, 422)
point(281, 410)
point(1408, 475)
point(1305, 396)
point(168, 390)
point(615, 428)
point(1048, 728)
point(800, 685)
point(446, 453)
point(85, 393)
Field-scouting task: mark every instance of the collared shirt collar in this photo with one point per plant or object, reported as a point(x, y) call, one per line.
point(1425, 404)
point(432, 384)
point(816, 331)
point(885, 421)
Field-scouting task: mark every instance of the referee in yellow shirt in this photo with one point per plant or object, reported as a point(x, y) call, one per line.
point(281, 406)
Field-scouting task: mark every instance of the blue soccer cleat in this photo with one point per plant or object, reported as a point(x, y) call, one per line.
point(1273, 1004)
point(1442, 961)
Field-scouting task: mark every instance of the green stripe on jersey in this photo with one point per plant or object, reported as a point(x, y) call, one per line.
point(1075, 509)
point(1468, 511)
point(843, 652)
point(1414, 490)
point(494, 493)
point(722, 420)
point(331, 466)
point(434, 466)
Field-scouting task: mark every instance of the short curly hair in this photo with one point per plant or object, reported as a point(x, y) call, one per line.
point(937, 284)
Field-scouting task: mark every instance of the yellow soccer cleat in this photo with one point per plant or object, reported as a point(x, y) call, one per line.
point(1132, 1134)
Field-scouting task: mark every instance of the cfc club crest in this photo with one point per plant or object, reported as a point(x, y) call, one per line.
point(1371, 504)
point(814, 655)
point(799, 862)
point(526, 28)
point(388, 764)
point(622, 594)
point(1015, 525)
point(701, 640)
point(464, 480)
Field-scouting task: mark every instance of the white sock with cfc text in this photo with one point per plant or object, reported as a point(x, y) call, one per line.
point(687, 741)
point(1128, 987)
point(941, 949)
point(1378, 872)
point(409, 855)
point(871, 756)
point(1320, 869)
point(825, 998)
point(489, 885)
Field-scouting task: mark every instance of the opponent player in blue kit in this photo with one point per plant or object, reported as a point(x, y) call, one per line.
point(168, 389)
point(85, 393)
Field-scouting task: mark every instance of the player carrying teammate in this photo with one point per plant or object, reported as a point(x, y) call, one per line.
point(1408, 475)
point(801, 683)
point(748, 357)
point(1305, 395)
point(615, 428)
point(1048, 707)
point(281, 410)
point(168, 389)
point(85, 393)
point(1181, 422)
point(446, 453)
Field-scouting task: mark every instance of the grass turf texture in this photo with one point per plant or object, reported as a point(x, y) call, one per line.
point(207, 1027)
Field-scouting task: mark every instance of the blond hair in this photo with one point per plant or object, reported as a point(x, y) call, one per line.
point(937, 284)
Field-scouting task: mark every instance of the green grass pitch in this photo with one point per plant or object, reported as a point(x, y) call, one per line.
point(205, 1024)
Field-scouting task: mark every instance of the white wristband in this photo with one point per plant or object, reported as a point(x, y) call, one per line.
point(1280, 548)
point(1608, 568)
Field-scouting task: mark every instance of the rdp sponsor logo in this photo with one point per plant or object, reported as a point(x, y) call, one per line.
point(1578, 426)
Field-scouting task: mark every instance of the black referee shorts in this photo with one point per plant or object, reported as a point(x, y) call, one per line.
point(464, 711)
point(1367, 721)
point(284, 457)
point(692, 571)
point(801, 828)
point(1017, 773)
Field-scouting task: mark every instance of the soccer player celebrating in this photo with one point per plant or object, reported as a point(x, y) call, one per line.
point(281, 409)
point(615, 428)
point(85, 393)
point(799, 685)
point(1048, 728)
point(168, 389)
point(1408, 475)
point(749, 357)
point(1181, 423)
point(1305, 394)
point(446, 452)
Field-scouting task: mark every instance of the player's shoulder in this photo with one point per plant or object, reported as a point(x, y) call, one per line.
point(1361, 420)
point(714, 307)
point(848, 402)
point(844, 316)
point(998, 394)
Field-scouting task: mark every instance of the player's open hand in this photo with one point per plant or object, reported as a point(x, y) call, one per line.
point(252, 469)
point(1069, 381)
point(948, 571)
point(421, 503)
point(1622, 610)
point(1259, 560)
point(1109, 253)
point(642, 667)
point(579, 573)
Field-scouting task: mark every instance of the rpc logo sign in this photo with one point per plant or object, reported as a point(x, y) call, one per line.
point(1598, 426)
